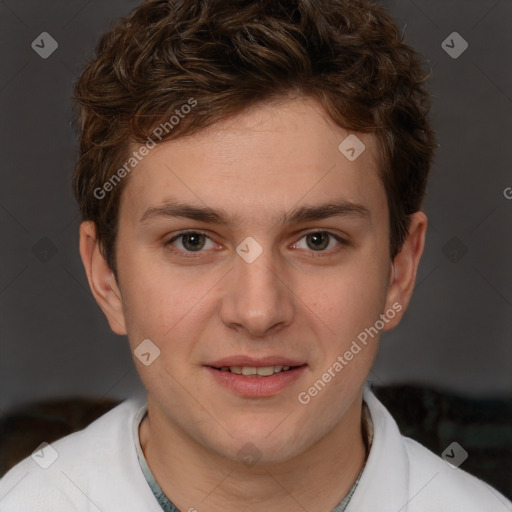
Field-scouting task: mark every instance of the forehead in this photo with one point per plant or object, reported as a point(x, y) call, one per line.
point(260, 163)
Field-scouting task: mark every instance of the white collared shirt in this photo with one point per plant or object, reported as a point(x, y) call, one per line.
point(97, 469)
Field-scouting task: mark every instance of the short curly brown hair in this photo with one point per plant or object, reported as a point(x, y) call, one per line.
point(228, 55)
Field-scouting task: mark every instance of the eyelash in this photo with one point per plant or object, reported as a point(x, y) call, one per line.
point(316, 254)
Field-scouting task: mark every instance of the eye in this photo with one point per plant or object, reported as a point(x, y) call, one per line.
point(191, 241)
point(319, 241)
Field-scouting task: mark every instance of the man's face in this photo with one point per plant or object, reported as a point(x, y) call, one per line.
point(210, 299)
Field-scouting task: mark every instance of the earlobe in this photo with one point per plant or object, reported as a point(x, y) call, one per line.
point(101, 279)
point(405, 267)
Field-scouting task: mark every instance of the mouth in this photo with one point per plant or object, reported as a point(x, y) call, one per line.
point(256, 371)
point(250, 377)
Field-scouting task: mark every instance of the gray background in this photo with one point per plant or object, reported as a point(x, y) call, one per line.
point(456, 335)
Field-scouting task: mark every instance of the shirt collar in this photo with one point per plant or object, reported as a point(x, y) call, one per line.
point(384, 484)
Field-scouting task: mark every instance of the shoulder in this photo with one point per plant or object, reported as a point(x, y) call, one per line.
point(438, 485)
point(404, 475)
point(80, 470)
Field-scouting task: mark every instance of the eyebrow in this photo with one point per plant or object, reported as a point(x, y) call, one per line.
point(306, 213)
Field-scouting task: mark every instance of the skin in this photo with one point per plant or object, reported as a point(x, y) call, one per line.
point(294, 300)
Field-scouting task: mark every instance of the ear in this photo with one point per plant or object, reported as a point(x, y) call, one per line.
point(404, 269)
point(101, 278)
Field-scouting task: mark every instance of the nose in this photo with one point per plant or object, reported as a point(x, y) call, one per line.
point(257, 299)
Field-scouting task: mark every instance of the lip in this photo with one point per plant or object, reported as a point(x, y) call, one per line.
point(253, 386)
point(257, 362)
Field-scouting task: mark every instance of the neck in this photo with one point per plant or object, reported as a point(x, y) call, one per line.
point(193, 477)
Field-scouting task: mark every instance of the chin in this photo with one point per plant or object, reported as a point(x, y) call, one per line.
point(267, 446)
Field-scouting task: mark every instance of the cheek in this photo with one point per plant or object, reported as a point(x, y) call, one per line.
point(351, 297)
point(163, 304)
point(349, 303)
point(149, 302)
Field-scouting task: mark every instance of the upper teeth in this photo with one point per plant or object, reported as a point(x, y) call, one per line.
point(263, 371)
